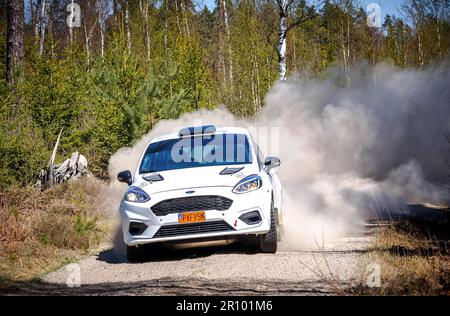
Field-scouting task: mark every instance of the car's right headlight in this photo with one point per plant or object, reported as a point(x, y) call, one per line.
point(248, 184)
point(135, 194)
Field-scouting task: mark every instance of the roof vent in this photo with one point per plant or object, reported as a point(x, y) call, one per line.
point(197, 130)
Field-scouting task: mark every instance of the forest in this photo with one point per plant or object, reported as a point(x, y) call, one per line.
point(106, 71)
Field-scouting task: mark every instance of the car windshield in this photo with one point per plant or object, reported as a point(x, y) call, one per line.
point(196, 151)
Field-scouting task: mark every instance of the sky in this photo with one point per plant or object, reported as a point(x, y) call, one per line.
point(390, 7)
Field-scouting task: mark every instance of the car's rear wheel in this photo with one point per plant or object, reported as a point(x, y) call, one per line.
point(267, 243)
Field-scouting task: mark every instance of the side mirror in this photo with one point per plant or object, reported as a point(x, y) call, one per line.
point(272, 162)
point(125, 176)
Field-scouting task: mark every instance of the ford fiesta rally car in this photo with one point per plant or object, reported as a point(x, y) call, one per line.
point(202, 183)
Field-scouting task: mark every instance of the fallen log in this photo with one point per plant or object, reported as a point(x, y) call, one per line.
point(71, 169)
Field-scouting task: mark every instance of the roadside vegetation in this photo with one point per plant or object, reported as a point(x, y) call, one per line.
point(109, 81)
point(40, 231)
point(414, 259)
point(131, 64)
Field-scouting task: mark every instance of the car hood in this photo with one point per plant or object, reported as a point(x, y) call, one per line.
point(195, 178)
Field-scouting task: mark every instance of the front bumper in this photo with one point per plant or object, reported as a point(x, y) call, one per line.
point(258, 200)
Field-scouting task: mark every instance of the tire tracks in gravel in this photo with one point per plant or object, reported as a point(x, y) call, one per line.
point(225, 270)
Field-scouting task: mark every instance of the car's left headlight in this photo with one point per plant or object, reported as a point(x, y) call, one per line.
point(135, 194)
point(248, 184)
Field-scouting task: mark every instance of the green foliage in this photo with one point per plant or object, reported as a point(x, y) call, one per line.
point(52, 93)
point(192, 78)
point(22, 151)
point(68, 227)
point(254, 64)
point(183, 59)
point(117, 95)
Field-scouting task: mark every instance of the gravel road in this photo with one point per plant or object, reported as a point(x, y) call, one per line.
point(217, 270)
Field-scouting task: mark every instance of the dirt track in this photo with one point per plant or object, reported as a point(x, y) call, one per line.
point(223, 270)
point(218, 270)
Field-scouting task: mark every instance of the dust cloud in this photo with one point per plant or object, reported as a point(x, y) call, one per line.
point(346, 153)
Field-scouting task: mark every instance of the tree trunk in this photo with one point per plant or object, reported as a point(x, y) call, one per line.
point(348, 50)
point(127, 26)
point(221, 69)
point(101, 23)
point(71, 29)
point(144, 7)
point(32, 16)
point(177, 18)
point(184, 13)
point(421, 59)
point(86, 40)
point(282, 32)
point(15, 45)
point(230, 51)
point(166, 26)
point(436, 5)
point(37, 21)
point(42, 26)
point(50, 28)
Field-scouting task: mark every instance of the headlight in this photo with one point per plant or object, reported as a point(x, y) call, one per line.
point(134, 194)
point(248, 184)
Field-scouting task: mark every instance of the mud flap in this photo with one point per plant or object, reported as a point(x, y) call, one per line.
point(279, 223)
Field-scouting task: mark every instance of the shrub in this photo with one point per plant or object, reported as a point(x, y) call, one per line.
point(39, 229)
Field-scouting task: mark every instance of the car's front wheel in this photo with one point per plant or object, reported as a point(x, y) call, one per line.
point(267, 243)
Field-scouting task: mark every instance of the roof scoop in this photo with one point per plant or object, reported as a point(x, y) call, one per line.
point(153, 177)
point(197, 130)
point(231, 170)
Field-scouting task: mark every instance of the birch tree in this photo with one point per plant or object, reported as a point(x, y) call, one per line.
point(415, 11)
point(127, 26)
point(284, 8)
point(177, 17)
point(166, 26)
point(230, 50)
point(221, 68)
point(42, 24)
point(184, 13)
point(144, 7)
point(101, 7)
point(89, 25)
point(344, 36)
point(440, 12)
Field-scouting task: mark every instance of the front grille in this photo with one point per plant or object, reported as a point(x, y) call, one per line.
point(194, 228)
point(191, 204)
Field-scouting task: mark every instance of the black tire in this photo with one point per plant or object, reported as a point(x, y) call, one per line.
point(267, 243)
point(135, 254)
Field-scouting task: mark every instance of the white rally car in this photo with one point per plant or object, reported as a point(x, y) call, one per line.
point(202, 183)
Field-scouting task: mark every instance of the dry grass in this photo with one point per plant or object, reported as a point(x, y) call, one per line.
point(40, 231)
point(410, 263)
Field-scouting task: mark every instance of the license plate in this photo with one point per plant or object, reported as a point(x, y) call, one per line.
point(191, 217)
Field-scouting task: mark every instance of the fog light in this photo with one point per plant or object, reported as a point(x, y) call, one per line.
point(251, 218)
point(137, 228)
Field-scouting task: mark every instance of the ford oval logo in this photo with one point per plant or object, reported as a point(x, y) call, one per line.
point(190, 192)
